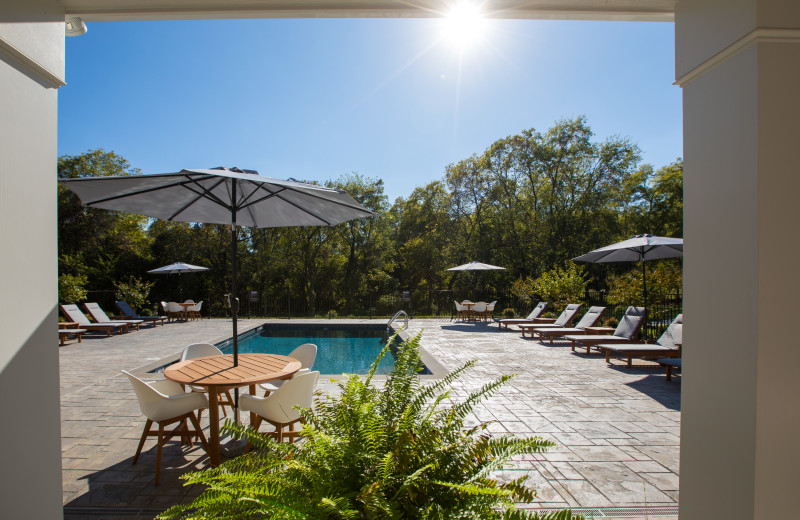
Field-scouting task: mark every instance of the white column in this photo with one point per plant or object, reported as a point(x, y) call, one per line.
point(31, 68)
point(738, 62)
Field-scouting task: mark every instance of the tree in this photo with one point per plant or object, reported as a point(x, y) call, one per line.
point(664, 279)
point(561, 286)
point(100, 244)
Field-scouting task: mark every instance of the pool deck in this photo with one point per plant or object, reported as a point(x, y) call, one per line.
point(617, 429)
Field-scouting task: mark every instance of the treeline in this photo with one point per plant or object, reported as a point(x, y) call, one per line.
point(529, 203)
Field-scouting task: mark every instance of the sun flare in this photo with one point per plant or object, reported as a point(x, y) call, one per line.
point(464, 24)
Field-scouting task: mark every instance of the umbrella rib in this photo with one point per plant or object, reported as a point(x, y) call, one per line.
point(137, 192)
point(204, 193)
point(305, 193)
point(245, 205)
point(284, 188)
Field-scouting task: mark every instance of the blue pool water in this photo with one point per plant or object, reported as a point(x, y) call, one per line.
point(340, 348)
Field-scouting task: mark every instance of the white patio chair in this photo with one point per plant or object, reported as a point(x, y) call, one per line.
point(461, 310)
point(165, 402)
point(306, 354)
point(278, 409)
point(194, 311)
point(175, 309)
point(196, 350)
point(479, 310)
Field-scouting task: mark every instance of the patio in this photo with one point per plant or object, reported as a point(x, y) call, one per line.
point(617, 429)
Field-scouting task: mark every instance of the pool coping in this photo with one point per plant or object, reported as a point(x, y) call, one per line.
point(437, 371)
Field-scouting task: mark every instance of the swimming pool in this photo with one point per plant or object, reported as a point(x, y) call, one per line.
point(341, 348)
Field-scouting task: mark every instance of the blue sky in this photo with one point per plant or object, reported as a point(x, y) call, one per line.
point(317, 98)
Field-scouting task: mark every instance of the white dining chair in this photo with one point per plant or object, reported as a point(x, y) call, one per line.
point(279, 408)
point(196, 350)
point(306, 354)
point(165, 402)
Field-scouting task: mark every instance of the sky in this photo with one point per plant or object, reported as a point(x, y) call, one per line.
point(390, 99)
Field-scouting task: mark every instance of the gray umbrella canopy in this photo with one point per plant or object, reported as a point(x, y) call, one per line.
point(636, 249)
point(639, 248)
point(177, 268)
point(220, 196)
point(475, 266)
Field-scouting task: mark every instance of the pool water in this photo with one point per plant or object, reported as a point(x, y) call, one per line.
point(341, 349)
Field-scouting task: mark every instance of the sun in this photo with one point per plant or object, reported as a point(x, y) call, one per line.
point(464, 24)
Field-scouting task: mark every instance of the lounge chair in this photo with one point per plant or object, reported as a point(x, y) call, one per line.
point(535, 313)
point(101, 317)
point(589, 319)
point(626, 332)
point(65, 332)
point(563, 320)
point(667, 346)
point(128, 314)
point(74, 314)
point(670, 364)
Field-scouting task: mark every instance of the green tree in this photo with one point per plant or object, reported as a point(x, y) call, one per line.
point(664, 279)
point(401, 452)
point(561, 286)
point(71, 288)
point(652, 202)
point(100, 244)
point(134, 291)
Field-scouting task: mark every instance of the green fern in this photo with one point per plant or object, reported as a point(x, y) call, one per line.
point(396, 452)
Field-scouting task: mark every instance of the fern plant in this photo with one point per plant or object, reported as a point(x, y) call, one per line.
point(402, 451)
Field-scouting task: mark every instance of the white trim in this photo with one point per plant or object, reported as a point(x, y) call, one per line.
point(29, 64)
point(116, 10)
point(759, 35)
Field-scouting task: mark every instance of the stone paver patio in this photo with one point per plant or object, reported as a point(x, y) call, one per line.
point(617, 429)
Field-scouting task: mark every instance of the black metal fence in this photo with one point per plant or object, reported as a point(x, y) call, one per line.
point(419, 304)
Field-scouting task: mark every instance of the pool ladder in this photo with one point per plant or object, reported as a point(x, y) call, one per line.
point(396, 315)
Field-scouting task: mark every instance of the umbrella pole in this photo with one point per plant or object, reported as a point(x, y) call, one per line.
point(234, 299)
point(644, 290)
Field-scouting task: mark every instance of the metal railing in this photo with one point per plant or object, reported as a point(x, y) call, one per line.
point(397, 315)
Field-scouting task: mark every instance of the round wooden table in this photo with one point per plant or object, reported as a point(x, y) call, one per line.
point(217, 374)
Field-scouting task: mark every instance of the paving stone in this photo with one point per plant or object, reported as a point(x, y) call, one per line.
point(617, 430)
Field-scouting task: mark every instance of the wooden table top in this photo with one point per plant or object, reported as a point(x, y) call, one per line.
point(219, 370)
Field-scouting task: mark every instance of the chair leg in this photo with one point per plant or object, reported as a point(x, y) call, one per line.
point(158, 451)
point(141, 441)
point(199, 431)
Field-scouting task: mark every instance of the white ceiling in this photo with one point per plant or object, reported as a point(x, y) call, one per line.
point(110, 10)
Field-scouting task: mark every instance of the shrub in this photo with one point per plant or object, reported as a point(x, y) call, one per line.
point(611, 322)
point(663, 279)
point(400, 452)
point(134, 291)
point(561, 286)
point(509, 313)
point(72, 288)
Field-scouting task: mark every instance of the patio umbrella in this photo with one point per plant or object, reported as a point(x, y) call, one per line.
point(639, 248)
point(475, 266)
point(220, 196)
point(178, 268)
